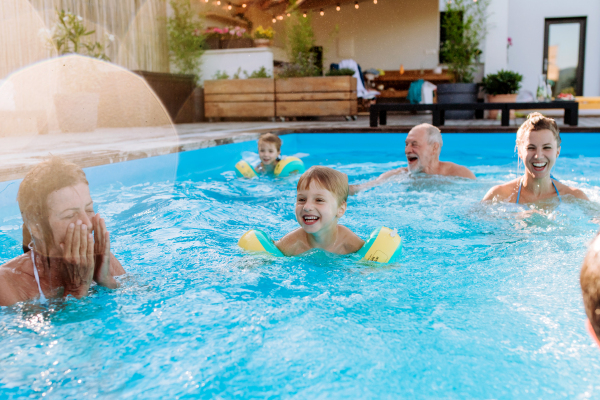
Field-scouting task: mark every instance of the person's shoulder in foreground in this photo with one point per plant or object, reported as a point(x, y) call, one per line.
point(320, 203)
point(590, 286)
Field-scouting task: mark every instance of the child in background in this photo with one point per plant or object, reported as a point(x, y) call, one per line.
point(590, 288)
point(269, 150)
point(320, 202)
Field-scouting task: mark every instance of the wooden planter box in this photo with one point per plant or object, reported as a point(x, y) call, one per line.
point(239, 98)
point(316, 97)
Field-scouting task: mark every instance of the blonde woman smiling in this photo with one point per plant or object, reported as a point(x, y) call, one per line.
point(538, 146)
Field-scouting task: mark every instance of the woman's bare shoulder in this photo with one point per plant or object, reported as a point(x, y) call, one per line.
point(13, 279)
point(503, 191)
point(564, 189)
point(293, 243)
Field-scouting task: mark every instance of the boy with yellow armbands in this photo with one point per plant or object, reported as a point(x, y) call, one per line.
point(269, 152)
point(320, 203)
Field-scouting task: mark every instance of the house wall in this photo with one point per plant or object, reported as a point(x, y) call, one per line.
point(382, 35)
point(526, 28)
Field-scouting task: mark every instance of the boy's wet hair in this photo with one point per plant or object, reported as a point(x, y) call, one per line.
point(270, 138)
point(537, 122)
point(328, 178)
point(43, 179)
point(590, 284)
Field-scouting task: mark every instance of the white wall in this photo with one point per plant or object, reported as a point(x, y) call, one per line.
point(526, 28)
point(382, 35)
point(235, 60)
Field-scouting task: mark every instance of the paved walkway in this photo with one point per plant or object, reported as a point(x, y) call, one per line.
point(105, 146)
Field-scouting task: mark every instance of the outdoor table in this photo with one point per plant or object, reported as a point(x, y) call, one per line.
point(378, 112)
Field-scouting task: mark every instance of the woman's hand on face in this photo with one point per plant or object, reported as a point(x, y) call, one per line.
point(78, 258)
point(102, 274)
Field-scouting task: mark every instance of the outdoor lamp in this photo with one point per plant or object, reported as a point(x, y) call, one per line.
point(356, 5)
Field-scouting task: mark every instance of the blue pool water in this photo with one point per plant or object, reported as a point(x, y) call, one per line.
point(484, 304)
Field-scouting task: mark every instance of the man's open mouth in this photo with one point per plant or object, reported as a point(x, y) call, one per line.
point(310, 219)
point(412, 158)
point(539, 166)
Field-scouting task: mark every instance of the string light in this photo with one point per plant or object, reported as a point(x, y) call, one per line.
point(280, 17)
point(274, 19)
point(219, 2)
point(206, 1)
point(374, 1)
point(356, 5)
point(322, 12)
point(244, 5)
point(229, 7)
point(338, 8)
point(289, 15)
point(304, 15)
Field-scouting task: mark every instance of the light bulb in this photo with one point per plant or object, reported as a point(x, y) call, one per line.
point(304, 15)
point(229, 6)
point(322, 12)
point(356, 5)
point(338, 8)
point(219, 2)
point(274, 19)
point(244, 5)
point(374, 1)
point(289, 15)
point(280, 17)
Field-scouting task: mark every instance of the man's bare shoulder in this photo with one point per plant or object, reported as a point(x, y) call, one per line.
point(453, 169)
point(13, 280)
point(350, 241)
point(569, 190)
point(293, 243)
point(502, 192)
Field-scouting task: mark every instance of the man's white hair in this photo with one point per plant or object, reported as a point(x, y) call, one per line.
point(433, 134)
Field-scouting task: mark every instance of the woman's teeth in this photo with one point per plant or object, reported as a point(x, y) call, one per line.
point(539, 165)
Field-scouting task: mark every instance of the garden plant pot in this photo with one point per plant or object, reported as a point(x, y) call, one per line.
point(237, 43)
point(452, 93)
point(77, 112)
point(262, 42)
point(500, 98)
point(212, 43)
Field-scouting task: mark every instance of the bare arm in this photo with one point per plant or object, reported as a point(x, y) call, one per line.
point(293, 243)
point(353, 189)
point(493, 192)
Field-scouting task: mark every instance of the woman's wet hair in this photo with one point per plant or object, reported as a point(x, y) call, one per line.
point(43, 179)
point(537, 122)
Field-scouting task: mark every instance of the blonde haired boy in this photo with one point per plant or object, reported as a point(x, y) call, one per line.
point(320, 203)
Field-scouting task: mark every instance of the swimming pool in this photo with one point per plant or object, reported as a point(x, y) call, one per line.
point(484, 303)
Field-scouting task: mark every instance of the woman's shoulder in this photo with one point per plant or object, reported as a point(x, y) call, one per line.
point(14, 275)
point(566, 190)
point(503, 191)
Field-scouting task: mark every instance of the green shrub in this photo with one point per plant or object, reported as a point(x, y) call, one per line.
point(221, 75)
point(300, 38)
point(260, 73)
point(465, 25)
point(340, 72)
point(502, 82)
point(186, 38)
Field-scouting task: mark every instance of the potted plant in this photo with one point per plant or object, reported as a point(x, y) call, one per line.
point(465, 26)
point(236, 38)
point(76, 109)
point(502, 87)
point(186, 45)
point(212, 38)
point(263, 37)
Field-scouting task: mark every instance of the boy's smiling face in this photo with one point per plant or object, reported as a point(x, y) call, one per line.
point(317, 208)
point(268, 153)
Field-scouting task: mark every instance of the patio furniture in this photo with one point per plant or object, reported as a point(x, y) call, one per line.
point(396, 84)
point(378, 112)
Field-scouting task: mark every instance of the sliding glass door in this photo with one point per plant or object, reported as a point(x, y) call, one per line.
point(564, 53)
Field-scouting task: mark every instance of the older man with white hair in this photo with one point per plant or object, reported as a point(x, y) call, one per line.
point(422, 148)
